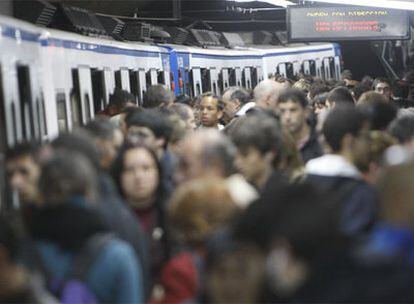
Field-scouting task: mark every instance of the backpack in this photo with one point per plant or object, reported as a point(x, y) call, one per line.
point(72, 288)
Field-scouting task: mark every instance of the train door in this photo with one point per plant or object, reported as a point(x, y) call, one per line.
point(122, 79)
point(195, 79)
point(306, 67)
point(26, 104)
point(164, 78)
point(224, 79)
point(257, 76)
point(205, 80)
point(297, 68)
point(98, 90)
point(337, 63)
point(319, 69)
point(142, 85)
point(214, 79)
point(281, 69)
point(4, 190)
point(108, 84)
point(152, 77)
point(82, 85)
point(247, 78)
point(238, 76)
point(326, 69)
point(62, 112)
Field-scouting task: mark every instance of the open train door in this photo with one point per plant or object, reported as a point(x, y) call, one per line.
point(82, 85)
point(297, 68)
point(247, 78)
point(238, 76)
point(214, 79)
point(319, 70)
point(337, 62)
point(195, 79)
point(152, 77)
point(164, 78)
point(224, 79)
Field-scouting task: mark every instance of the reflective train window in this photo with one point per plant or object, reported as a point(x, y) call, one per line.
point(26, 105)
point(88, 115)
point(3, 130)
point(62, 115)
point(76, 109)
point(98, 89)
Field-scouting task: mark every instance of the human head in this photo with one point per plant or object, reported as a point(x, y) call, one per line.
point(108, 140)
point(200, 207)
point(293, 109)
point(302, 85)
point(339, 95)
point(259, 140)
point(402, 129)
point(370, 97)
point(150, 127)
point(137, 173)
point(382, 86)
point(266, 94)
point(184, 99)
point(65, 177)
point(343, 124)
point(119, 101)
point(203, 153)
point(379, 114)
point(158, 96)
point(401, 89)
point(185, 113)
point(23, 171)
point(234, 98)
point(211, 110)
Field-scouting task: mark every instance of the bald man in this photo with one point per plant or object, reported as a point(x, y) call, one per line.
point(266, 94)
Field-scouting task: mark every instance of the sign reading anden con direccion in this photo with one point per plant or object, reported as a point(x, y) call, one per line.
point(312, 24)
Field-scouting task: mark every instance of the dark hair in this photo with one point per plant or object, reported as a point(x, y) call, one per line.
point(296, 213)
point(101, 128)
point(156, 96)
point(380, 80)
point(359, 89)
point(318, 89)
point(66, 176)
point(401, 89)
point(238, 93)
point(220, 103)
point(154, 120)
point(118, 165)
point(341, 95)
point(80, 142)
point(402, 128)
point(120, 98)
point(346, 74)
point(181, 110)
point(258, 130)
point(294, 95)
point(342, 120)
point(184, 99)
point(28, 148)
point(379, 114)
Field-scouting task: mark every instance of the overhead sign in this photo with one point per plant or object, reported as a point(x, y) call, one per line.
point(333, 23)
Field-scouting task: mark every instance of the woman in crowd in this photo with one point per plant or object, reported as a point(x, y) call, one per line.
point(137, 173)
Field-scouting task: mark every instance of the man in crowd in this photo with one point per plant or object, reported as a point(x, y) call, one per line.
point(266, 94)
point(235, 99)
point(211, 111)
point(382, 86)
point(293, 109)
point(345, 131)
point(158, 96)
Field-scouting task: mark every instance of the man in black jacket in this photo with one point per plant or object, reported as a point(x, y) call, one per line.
point(293, 108)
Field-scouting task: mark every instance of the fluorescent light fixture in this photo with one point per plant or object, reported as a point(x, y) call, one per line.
point(283, 3)
point(396, 4)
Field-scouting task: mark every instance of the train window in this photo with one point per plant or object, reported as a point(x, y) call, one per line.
point(87, 108)
point(133, 84)
point(290, 73)
point(76, 109)
point(118, 81)
point(232, 77)
point(26, 105)
point(98, 89)
point(312, 67)
point(206, 80)
point(62, 115)
point(332, 68)
point(42, 114)
point(14, 123)
point(3, 129)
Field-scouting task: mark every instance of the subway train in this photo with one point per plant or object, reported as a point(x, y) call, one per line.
point(51, 80)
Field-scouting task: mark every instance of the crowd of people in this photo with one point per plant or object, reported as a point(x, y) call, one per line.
point(299, 191)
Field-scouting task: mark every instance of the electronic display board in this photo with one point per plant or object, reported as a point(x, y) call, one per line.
point(334, 23)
